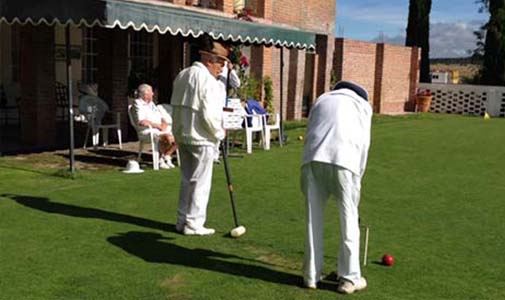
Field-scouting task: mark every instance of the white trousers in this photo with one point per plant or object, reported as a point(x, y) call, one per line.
point(196, 182)
point(318, 182)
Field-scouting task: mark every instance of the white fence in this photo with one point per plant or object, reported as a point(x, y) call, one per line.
point(466, 99)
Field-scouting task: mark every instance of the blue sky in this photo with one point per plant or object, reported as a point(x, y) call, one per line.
point(451, 31)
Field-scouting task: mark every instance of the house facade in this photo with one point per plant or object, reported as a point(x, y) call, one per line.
point(136, 40)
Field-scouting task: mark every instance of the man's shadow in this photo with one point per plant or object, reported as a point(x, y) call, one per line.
point(154, 248)
point(46, 205)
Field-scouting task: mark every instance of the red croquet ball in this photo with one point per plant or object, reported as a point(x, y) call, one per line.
point(388, 260)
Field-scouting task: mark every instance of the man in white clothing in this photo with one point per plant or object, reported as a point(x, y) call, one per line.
point(334, 161)
point(151, 119)
point(197, 128)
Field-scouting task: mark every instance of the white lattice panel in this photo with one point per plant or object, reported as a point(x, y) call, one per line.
point(502, 104)
point(466, 99)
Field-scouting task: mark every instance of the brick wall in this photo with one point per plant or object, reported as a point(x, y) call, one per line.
point(355, 61)
point(295, 84)
point(395, 79)
point(390, 73)
point(311, 15)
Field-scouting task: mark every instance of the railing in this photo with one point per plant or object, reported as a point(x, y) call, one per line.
point(466, 99)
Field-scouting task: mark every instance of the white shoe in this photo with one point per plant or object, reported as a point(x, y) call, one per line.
point(199, 231)
point(164, 165)
point(347, 287)
point(168, 161)
point(310, 285)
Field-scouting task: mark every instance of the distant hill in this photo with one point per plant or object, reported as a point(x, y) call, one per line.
point(467, 67)
point(456, 61)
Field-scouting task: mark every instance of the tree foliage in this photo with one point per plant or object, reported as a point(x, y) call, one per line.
point(418, 33)
point(493, 69)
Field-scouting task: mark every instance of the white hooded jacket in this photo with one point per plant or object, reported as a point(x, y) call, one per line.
point(197, 119)
point(338, 131)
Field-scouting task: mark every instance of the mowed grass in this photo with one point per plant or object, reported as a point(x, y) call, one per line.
point(433, 196)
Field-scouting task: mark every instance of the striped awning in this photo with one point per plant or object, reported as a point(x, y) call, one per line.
point(151, 16)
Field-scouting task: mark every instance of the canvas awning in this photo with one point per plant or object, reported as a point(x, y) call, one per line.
point(151, 16)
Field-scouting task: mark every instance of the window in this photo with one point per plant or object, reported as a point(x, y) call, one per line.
point(89, 55)
point(141, 51)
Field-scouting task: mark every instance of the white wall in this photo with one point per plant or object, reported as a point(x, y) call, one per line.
point(467, 99)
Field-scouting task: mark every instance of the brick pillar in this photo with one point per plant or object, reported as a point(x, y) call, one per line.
point(415, 58)
point(171, 63)
point(379, 73)
point(264, 9)
point(112, 62)
point(225, 6)
point(325, 45)
point(38, 104)
point(295, 84)
point(338, 58)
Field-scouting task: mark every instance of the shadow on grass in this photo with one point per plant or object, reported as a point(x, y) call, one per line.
point(98, 160)
point(46, 205)
point(154, 248)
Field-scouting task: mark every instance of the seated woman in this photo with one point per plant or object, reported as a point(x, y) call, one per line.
point(252, 107)
point(148, 114)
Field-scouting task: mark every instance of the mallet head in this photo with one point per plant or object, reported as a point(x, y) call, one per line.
point(237, 231)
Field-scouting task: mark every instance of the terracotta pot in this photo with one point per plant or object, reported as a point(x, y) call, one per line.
point(423, 103)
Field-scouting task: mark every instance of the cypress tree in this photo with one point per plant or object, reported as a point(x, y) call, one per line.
point(418, 33)
point(493, 69)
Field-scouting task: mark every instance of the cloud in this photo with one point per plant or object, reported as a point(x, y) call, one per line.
point(382, 13)
point(447, 40)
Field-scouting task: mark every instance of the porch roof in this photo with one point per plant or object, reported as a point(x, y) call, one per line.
point(152, 17)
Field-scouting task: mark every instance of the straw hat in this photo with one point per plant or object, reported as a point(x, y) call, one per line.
point(133, 167)
point(217, 50)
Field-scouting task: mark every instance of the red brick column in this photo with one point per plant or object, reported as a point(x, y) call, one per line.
point(38, 104)
point(264, 9)
point(324, 48)
point(112, 76)
point(338, 58)
point(379, 73)
point(261, 64)
point(415, 60)
point(295, 84)
point(225, 6)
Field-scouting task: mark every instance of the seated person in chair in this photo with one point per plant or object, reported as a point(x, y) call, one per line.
point(148, 114)
point(252, 107)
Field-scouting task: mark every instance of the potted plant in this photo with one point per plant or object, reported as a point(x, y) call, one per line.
point(423, 100)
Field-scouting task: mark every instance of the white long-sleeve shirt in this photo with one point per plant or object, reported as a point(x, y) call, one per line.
point(197, 119)
point(338, 131)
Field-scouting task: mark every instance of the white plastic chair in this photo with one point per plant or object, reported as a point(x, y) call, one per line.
point(151, 139)
point(93, 109)
point(270, 127)
point(256, 125)
point(144, 139)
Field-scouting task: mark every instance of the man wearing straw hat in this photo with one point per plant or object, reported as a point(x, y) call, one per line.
point(334, 161)
point(197, 127)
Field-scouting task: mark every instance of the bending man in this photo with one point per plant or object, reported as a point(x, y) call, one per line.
point(334, 161)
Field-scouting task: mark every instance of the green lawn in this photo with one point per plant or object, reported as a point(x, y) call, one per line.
point(432, 196)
